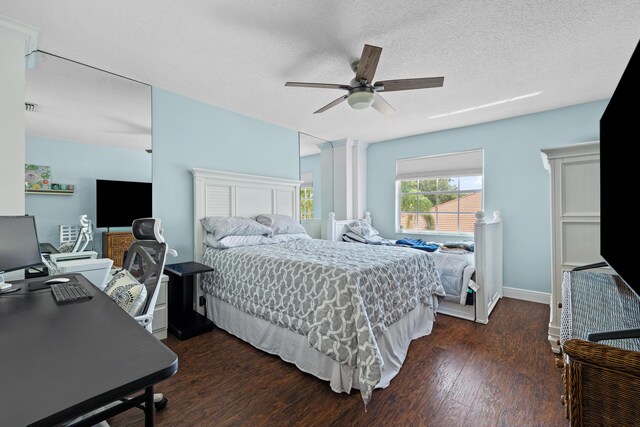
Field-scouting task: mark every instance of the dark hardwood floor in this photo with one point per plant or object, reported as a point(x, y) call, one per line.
point(463, 374)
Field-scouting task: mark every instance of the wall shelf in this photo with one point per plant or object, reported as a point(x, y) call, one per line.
point(51, 192)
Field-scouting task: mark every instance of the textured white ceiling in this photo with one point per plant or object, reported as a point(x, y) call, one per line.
point(238, 55)
point(81, 104)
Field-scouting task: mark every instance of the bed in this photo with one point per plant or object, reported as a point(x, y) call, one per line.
point(486, 260)
point(344, 313)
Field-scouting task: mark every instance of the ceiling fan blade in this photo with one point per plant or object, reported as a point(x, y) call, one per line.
point(318, 85)
point(368, 63)
point(381, 105)
point(332, 104)
point(409, 84)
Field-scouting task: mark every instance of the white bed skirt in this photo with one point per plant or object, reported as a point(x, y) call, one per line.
point(293, 347)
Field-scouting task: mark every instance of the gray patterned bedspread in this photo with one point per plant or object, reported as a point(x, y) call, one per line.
point(339, 295)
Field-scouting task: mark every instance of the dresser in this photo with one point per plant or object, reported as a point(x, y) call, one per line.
point(115, 244)
point(575, 217)
point(602, 380)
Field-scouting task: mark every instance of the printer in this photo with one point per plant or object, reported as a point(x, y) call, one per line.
point(96, 270)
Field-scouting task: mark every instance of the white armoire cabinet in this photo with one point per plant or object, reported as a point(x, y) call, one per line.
point(575, 217)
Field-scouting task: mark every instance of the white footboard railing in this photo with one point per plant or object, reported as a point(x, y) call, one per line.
point(488, 259)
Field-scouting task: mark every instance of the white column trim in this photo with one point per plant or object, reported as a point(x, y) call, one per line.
point(30, 33)
point(359, 182)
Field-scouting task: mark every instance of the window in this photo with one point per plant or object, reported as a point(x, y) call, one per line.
point(306, 195)
point(439, 193)
point(306, 203)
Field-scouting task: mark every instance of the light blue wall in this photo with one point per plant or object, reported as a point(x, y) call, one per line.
point(190, 134)
point(80, 165)
point(515, 181)
point(312, 164)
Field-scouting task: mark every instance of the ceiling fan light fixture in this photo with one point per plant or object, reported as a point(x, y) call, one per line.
point(360, 100)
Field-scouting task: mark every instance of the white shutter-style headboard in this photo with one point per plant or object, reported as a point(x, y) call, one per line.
point(219, 193)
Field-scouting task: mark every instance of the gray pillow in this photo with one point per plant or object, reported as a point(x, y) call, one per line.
point(281, 224)
point(362, 228)
point(220, 226)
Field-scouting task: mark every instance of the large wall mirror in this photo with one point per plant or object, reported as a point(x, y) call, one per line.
point(83, 124)
point(316, 193)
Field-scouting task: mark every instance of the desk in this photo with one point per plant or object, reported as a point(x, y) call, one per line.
point(48, 248)
point(41, 270)
point(184, 322)
point(58, 362)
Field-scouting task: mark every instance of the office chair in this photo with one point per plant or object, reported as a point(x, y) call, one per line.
point(145, 261)
point(75, 238)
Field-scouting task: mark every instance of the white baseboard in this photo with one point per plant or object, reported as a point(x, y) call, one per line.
point(526, 295)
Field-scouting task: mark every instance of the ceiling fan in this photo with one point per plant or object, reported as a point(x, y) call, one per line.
point(362, 92)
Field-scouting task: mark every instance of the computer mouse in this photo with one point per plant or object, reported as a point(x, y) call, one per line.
point(57, 280)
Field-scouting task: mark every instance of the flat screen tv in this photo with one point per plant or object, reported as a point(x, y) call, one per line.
point(619, 176)
point(118, 203)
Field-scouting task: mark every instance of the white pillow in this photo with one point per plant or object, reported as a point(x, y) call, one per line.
point(220, 226)
point(236, 241)
point(281, 224)
point(127, 292)
point(280, 238)
point(362, 228)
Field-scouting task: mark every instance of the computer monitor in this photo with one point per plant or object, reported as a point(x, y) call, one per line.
point(19, 246)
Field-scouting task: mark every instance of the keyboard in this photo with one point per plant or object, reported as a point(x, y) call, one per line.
point(65, 293)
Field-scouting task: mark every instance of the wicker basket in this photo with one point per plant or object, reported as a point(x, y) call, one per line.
point(115, 244)
point(603, 384)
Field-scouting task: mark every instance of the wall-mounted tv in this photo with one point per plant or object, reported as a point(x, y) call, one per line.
point(618, 174)
point(118, 203)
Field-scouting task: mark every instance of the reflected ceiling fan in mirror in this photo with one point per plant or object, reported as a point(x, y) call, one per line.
point(362, 92)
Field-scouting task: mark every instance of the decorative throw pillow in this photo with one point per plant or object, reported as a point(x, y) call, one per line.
point(362, 228)
point(220, 226)
point(281, 224)
point(127, 292)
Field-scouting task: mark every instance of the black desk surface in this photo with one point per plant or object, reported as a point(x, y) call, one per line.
point(187, 268)
point(48, 248)
point(58, 361)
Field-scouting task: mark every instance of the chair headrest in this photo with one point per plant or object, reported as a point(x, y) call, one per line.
point(147, 229)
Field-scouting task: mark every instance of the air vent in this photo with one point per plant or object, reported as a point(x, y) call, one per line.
point(30, 107)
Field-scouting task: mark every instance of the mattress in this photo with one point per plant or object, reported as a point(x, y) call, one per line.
point(455, 273)
point(341, 298)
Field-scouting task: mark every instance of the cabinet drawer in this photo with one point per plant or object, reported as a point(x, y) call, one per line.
point(160, 318)
point(162, 296)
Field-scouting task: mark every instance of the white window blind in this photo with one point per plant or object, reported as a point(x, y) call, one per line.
point(457, 164)
point(307, 179)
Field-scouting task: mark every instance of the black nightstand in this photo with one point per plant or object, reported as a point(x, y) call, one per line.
point(184, 321)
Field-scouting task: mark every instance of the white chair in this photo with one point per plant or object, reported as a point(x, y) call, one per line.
point(145, 260)
point(75, 238)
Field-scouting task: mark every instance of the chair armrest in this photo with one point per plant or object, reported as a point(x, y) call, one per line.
point(144, 319)
point(604, 356)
